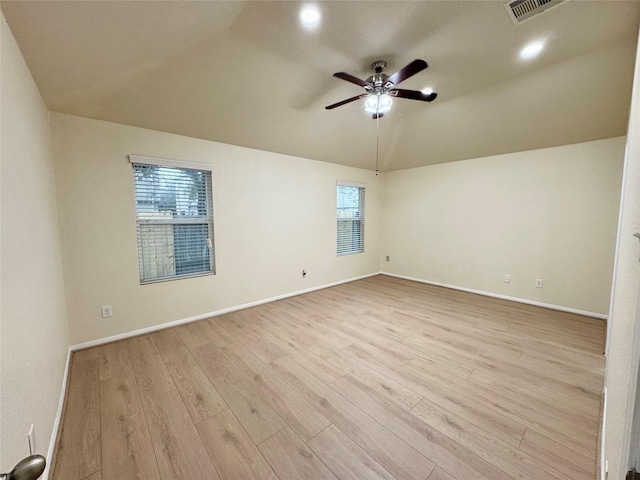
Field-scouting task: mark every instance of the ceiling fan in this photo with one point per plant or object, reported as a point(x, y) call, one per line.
point(379, 88)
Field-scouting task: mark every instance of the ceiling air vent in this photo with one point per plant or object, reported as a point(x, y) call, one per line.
point(521, 10)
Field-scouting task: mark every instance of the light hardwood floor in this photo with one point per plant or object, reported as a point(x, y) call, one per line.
point(376, 379)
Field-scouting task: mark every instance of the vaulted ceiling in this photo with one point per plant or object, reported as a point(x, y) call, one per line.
point(248, 73)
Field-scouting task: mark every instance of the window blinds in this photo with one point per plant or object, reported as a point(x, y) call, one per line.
point(350, 213)
point(174, 217)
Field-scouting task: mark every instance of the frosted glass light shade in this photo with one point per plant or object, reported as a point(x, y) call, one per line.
point(378, 104)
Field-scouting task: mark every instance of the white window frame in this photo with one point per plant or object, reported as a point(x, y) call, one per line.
point(177, 164)
point(361, 208)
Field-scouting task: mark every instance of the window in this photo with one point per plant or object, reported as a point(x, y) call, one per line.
point(174, 217)
point(350, 218)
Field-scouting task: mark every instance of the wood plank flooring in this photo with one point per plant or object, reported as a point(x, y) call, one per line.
point(381, 378)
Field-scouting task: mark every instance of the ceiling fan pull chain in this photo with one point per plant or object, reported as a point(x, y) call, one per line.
point(377, 141)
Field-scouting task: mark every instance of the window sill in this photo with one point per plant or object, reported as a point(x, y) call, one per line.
point(176, 277)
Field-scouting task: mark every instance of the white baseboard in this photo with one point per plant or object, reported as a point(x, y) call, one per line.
point(175, 323)
point(503, 297)
point(56, 422)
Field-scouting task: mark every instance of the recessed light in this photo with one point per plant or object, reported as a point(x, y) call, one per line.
point(310, 16)
point(427, 91)
point(532, 50)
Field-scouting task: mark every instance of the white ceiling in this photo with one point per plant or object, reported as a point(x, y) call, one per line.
point(247, 73)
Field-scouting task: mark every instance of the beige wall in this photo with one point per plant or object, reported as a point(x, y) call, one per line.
point(274, 216)
point(548, 214)
point(33, 324)
point(621, 369)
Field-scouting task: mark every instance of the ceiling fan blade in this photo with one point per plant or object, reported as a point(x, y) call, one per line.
point(348, 100)
point(350, 78)
point(413, 94)
point(408, 71)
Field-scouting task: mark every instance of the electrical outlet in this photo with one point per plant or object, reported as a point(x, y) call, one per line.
point(106, 311)
point(538, 283)
point(31, 439)
point(304, 273)
point(507, 278)
point(387, 258)
point(398, 262)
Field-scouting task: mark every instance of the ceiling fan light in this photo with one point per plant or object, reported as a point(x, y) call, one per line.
point(378, 104)
point(384, 103)
point(371, 105)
